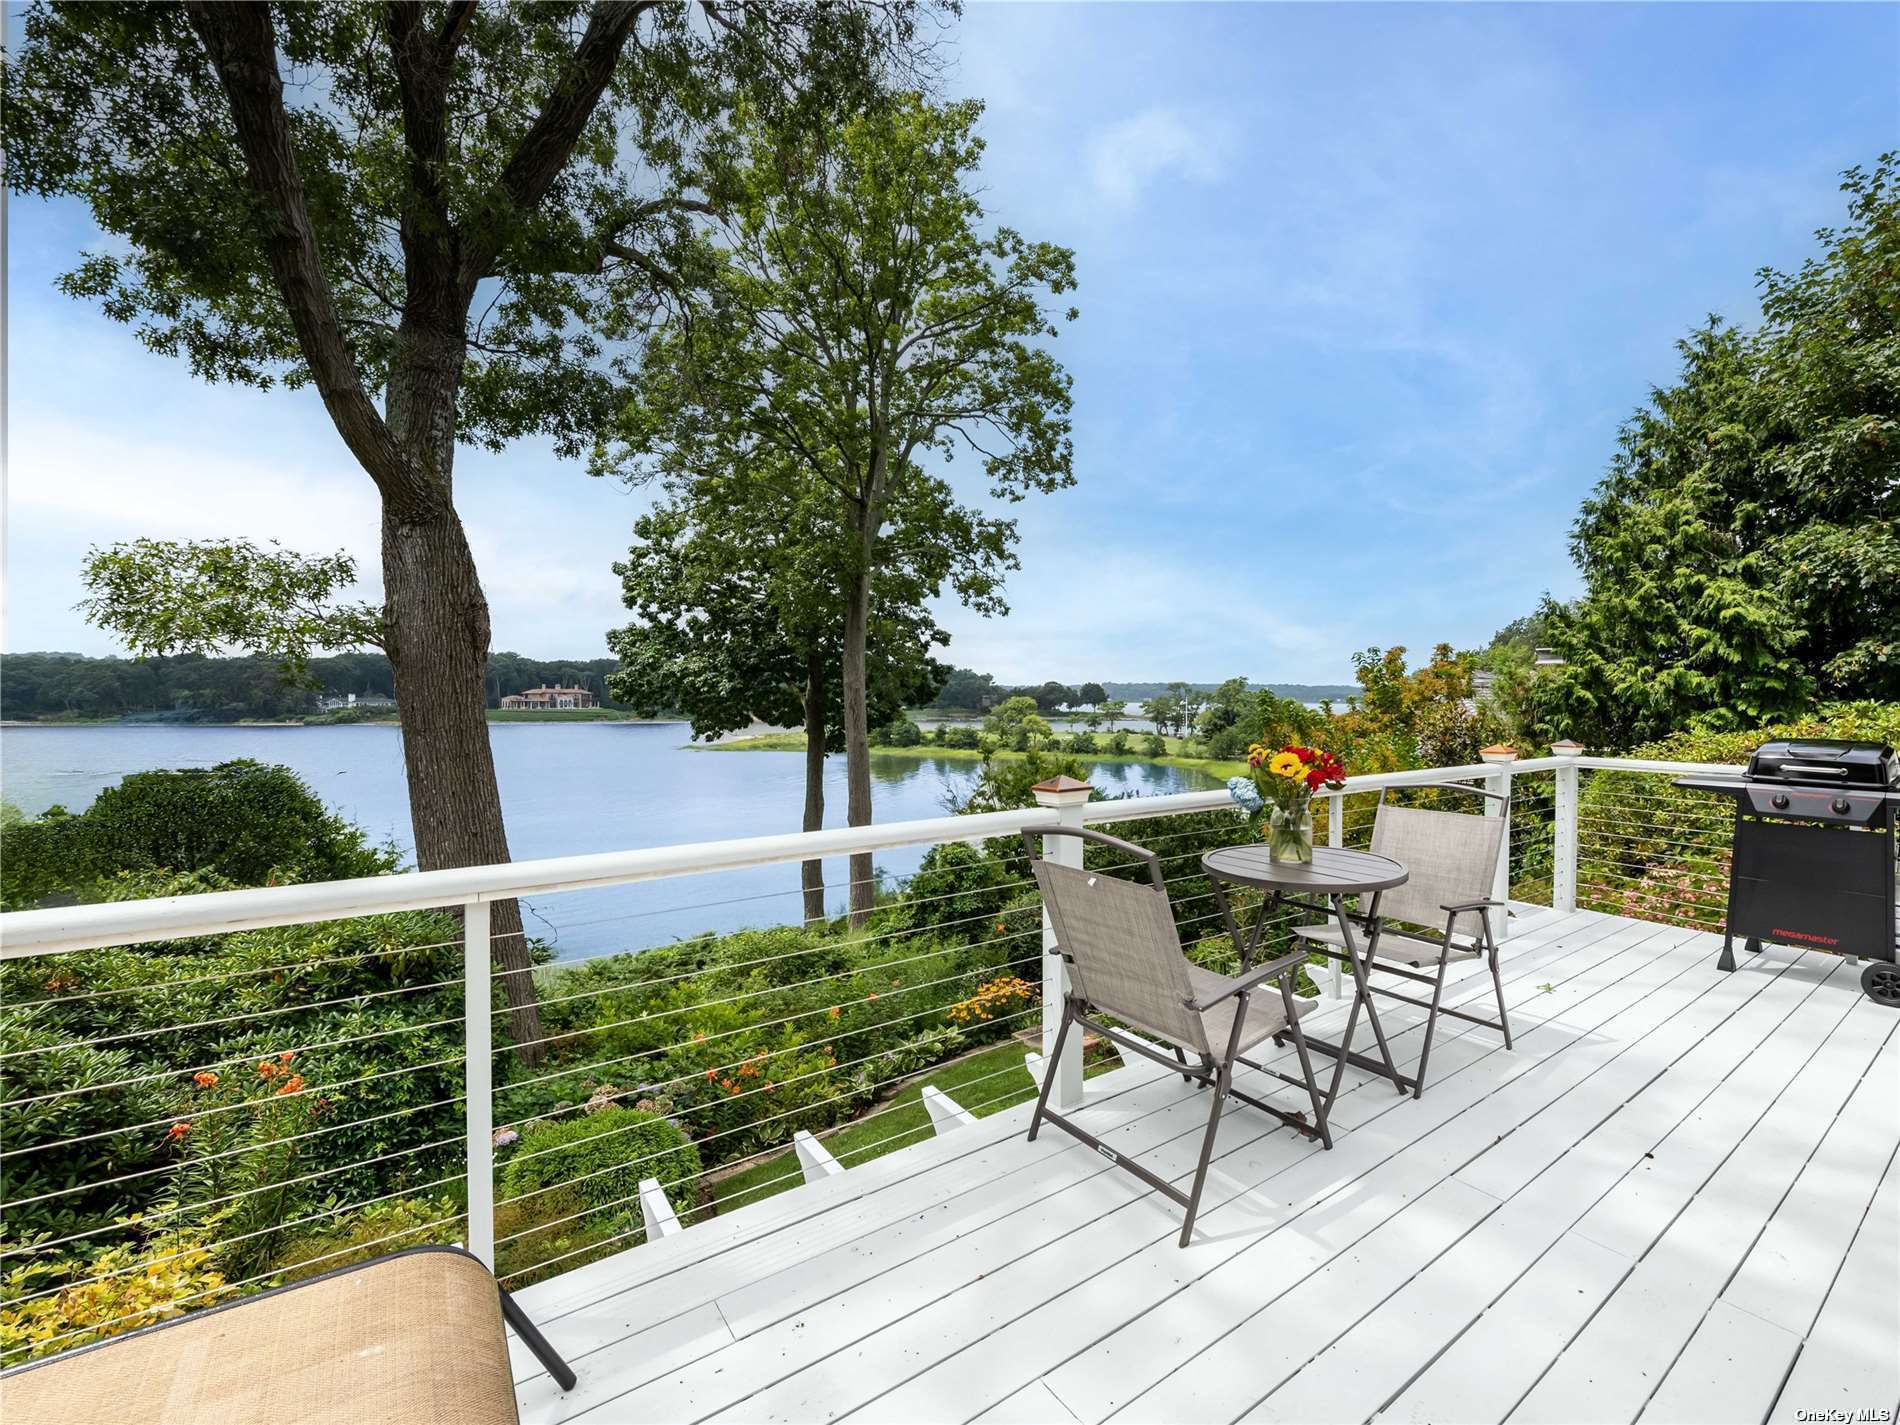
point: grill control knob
(1779, 801)
(1842, 806)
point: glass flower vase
(1290, 833)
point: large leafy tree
(1743, 552)
(428, 201)
(860, 319)
(735, 619)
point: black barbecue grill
(1813, 864)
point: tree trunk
(436, 634)
(817, 690)
(438, 643)
(857, 738)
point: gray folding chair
(1124, 960)
(1453, 860)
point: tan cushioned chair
(414, 1338)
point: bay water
(567, 789)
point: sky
(1365, 293)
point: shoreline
(795, 742)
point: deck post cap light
(1566, 748)
(1498, 753)
(1061, 791)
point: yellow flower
(1285, 764)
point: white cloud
(1129, 155)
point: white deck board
(1110, 1299)
(1449, 1296)
(1618, 1360)
(1504, 1244)
(1849, 1362)
(1788, 1274)
(1733, 1363)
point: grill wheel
(1881, 981)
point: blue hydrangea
(1245, 794)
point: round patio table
(1321, 885)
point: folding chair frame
(1211, 1072)
(1483, 942)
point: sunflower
(1286, 764)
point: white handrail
(82, 927)
(58, 929)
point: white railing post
(814, 1158)
(478, 1040)
(1564, 849)
(1335, 836)
(945, 1112)
(1069, 799)
(656, 1213)
(1500, 759)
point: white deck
(1677, 1199)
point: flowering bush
(133, 1283)
(997, 997)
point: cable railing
(202, 1096)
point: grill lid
(1825, 762)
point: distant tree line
(71, 685)
(966, 690)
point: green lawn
(984, 1083)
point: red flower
(177, 1131)
(205, 1080)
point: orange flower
(711, 1074)
(287, 1055)
(205, 1080)
(177, 1131)
(290, 1085)
(872, 995)
(267, 1069)
(835, 1011)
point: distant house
(355, 700)
(547, 699)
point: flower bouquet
(1279, 792)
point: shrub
(1153, 746)
(602, 1156)
(368, 1232)
(966, 739)
(955, 890)
(1118, 742)
(1659, 852)
(45, 1064)
(1082, 743)
(1229, 744)
(999, 997)
(244, 821)
(902, 732)
(145, 1279)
